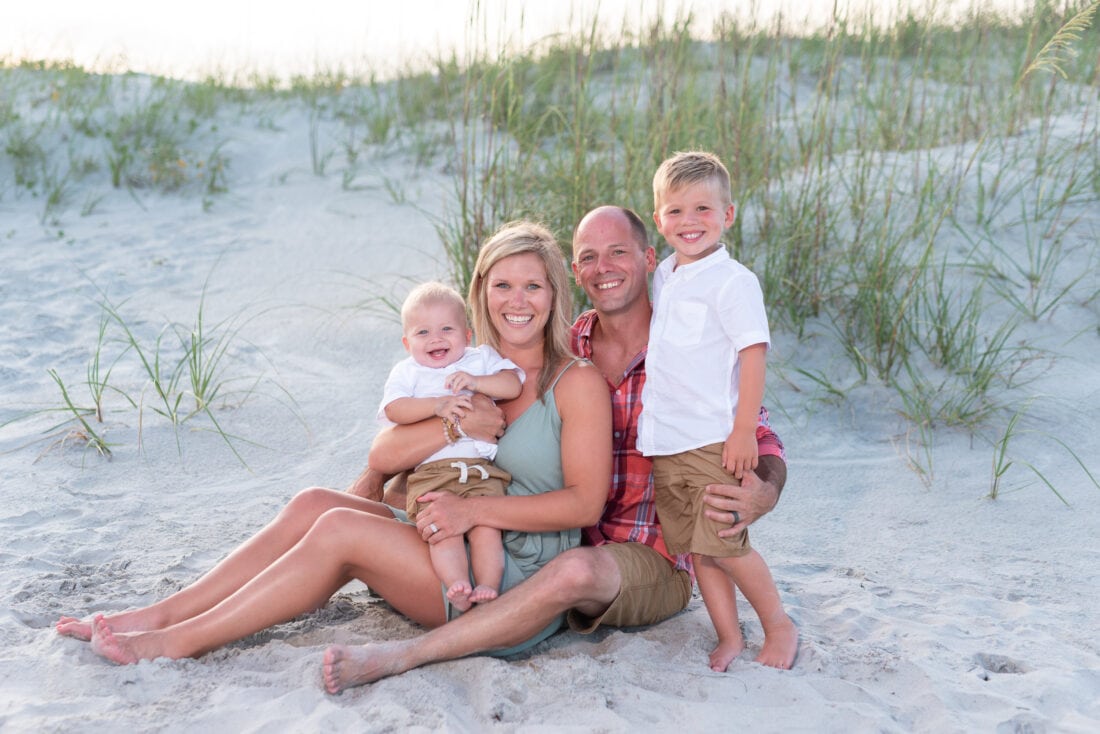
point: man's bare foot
(106, 643)
(79, 629)
(724, 654)
(482, 594)
(346, 666)
(459, 595)
(780, 645)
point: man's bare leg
(586, 579)
(233, 572)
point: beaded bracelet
(449, 433)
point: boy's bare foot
(76, 628)
(106, 644)
(780, 644)
(346, 667)
(482, 594)
(725, 653)
(459, 595)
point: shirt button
(617, 434)
(618, 392)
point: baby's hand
(740, 453)
(453, 407)
(456, 382)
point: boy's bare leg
(449, 562)
(233, 572)
(586, 579)
(720, 598)
(752, 576)
(394, 561)
(487, 558)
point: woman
(323, 538)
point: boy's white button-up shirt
(704, 313)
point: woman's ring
(434, 528)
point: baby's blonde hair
(432, 292)
(690, 167)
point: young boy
(700, 403)
(437, 378)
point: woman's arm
(400, 448)
(585, 409)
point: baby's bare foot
(459, 595)
(346, 667)
(482, 594)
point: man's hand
(744, 505)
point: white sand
(921, 607)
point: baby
(437, 379)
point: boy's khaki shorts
(679, 482)
(435, 476)
(651, 591)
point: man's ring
(736, 518)
(434, 528)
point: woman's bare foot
(346, 667)
(459, 595)
(725, 653)
(780, 644)
(482, 594)
(78, 629)
(81, 629)
(106, 643)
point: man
(624, 575)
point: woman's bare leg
(235, 570)
(343, 544)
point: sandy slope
(921, 606)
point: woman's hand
(484, 421)
(443, 515)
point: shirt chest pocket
(686, 323)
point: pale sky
(302, 36)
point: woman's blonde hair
(517, 238)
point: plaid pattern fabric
(630, 514)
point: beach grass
(878, 169)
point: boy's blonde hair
(687, 168)
(432, 292)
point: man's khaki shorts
(651, 591)
(679, 483)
